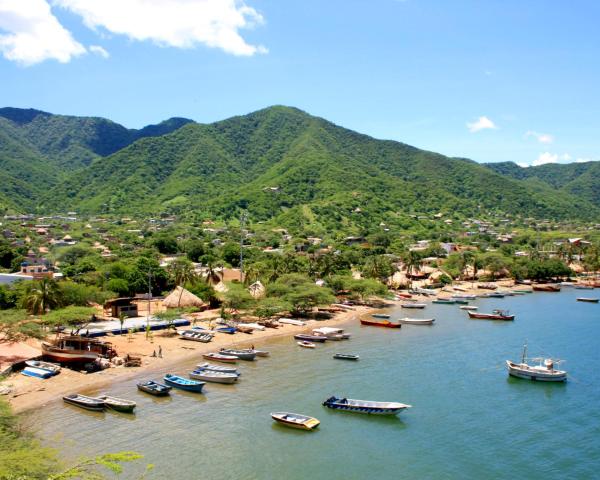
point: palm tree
(212, 274)
(41, 296)
(413, 262)
(182, 272)
(467, 260)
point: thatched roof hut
(257, 289)
(221, 287)
(180, 297)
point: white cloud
(545, 157)
(34, 33)
(583, 160)
(482, 123)
(566, 157)
(541, 137)
(173, 23)
(98, 50)
(523, 164)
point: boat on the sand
(51, 367)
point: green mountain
(579, 179)
(299, 170)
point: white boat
(214, 377)
(417, 321)
(464, 297)
(543, 372)
(365, 406)
(331, 333)
(292, 321)
(36, 372)
(54, 368)
(253, 326)
(468, 307)
(217, 368)
(413, 305)
(306, 344)
(260, 353)
(343, 305)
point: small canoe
(306, 344)
(247, 355)
(219, 357)
(380, 323)
(88, 403)
(51, 367)
(295, 420)
(497, 315)
(443, 301)
(468, 307)
(310, 338)
(365, 406)
(417, 321)
(217, 368)
(183, 383)
(588, 299)
(584, 287)
(380, 315)
(229, 330)
(154, 388)
(36, 372)
(214, 377)
(118, 404)
(345, 356)
(413, 305)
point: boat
(306, 344)
(379, 323)
(118, 404)
(76, 349)
(331, 333)
(219, 357)
(217, 368)
(461, 301)
(413, 305)
(310, 338)
(588, 299)
(464, 297)
(417, 321)
(345, 356)
(567, 284)
(494, 295)
(229, 330)
(295, 420)
(496, 315)
(261, 353)
(468, 307)
(584, 287)
(546, 287)
(244, 329)
(520, 292)
(183, 383)
(543, 372)
(380, 315)
(195, 336)
(365, 406)
(425, 291)
(154, 388)
(444, 301)
(89, 403)
(253, 326)
(51, 367)
(36, 372)
(292, 321)
(247, 355)
(214, 377)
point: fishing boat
(379, 323)
(546, 287)
(51, 367)
(118, 404)
(89, 403)
(461, 301)
(214, 377)
(292, 321)
(154, 388)
(345, 356)
(468, 307)
(310, 338)
(584, 287)
(247, 355)
(217, 368)
(254, 326)
(183, 383)
(365, 406)
(417, 321)
(413, 305)
(219, 357)
(380, 315)
(464, 297)
(306, 344)
(76, 349)
(228, 330)
(496, 315)
(588, 299)
(521, 292)
(444, 301)
(494, 295)
(195, 336)
(295, 420)
(36, 372)
(543, 372)
(260, 353)
(332, 333)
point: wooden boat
(584, 287)
(444, 301)
(217, 368)
(460, 301)
(295, 420)
(345, 356)
(183, 383)
(365, 406)
(247, 355)
(413, 305)
(154, 388)
(468, 307)
(229, 330)
(292, 321)
(546, 287)
(494, 295)
(195, 336)
(89, 403)
(214, 377)
(496, 315)
(543, 372)
(76, 349)
(306, 344)
(219, 357)
(36, 372)
(254, 326)
(331, 333)
(244, 329)
(520, 292)
(51, 367)
(379, 323)
(464, 297)
(260, 353)
(310, 338)
(588, 299)
(118, 404)
(380, 315)
(417, 321)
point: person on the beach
(159, 351)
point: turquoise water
(469, 419)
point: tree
(268, 307)
(16, 325)
(378, 267)
(413, 262)
(194, 249)
(41, 296)
(237, 298)
(165, 243)
(72, 316)
(231, 254)
(118, 285)
(182, 271)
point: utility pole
(243, 217)
(149, 297)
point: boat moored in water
(214, 377)
(154, 388)
(380, 315)
(543, 372)
(217, 368)
(365, 406)
(588, 299)
(247, 355)
(306, 344)
(413, 305)
(496, 315)
(82, 401)
(345, 356)
(295, 420)
(468, 307)
(118, 404)
(546, 287)
(379, 323)
(417, 321)
(310, 338)
(183, 383)
(219, 357)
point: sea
(469, 419)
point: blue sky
(487, 80)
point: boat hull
(87, 403)
(36, 372)
(539, 376)
(361, 406)
(117, 404)
(221, 358)
(305, 423)
(310, 338)
(153, 388)
(207, 376)
(188, 386)
(417, 321)
(490, 316)
(380, 323)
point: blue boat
(230, 330)
(36, 372)
(183, 383)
